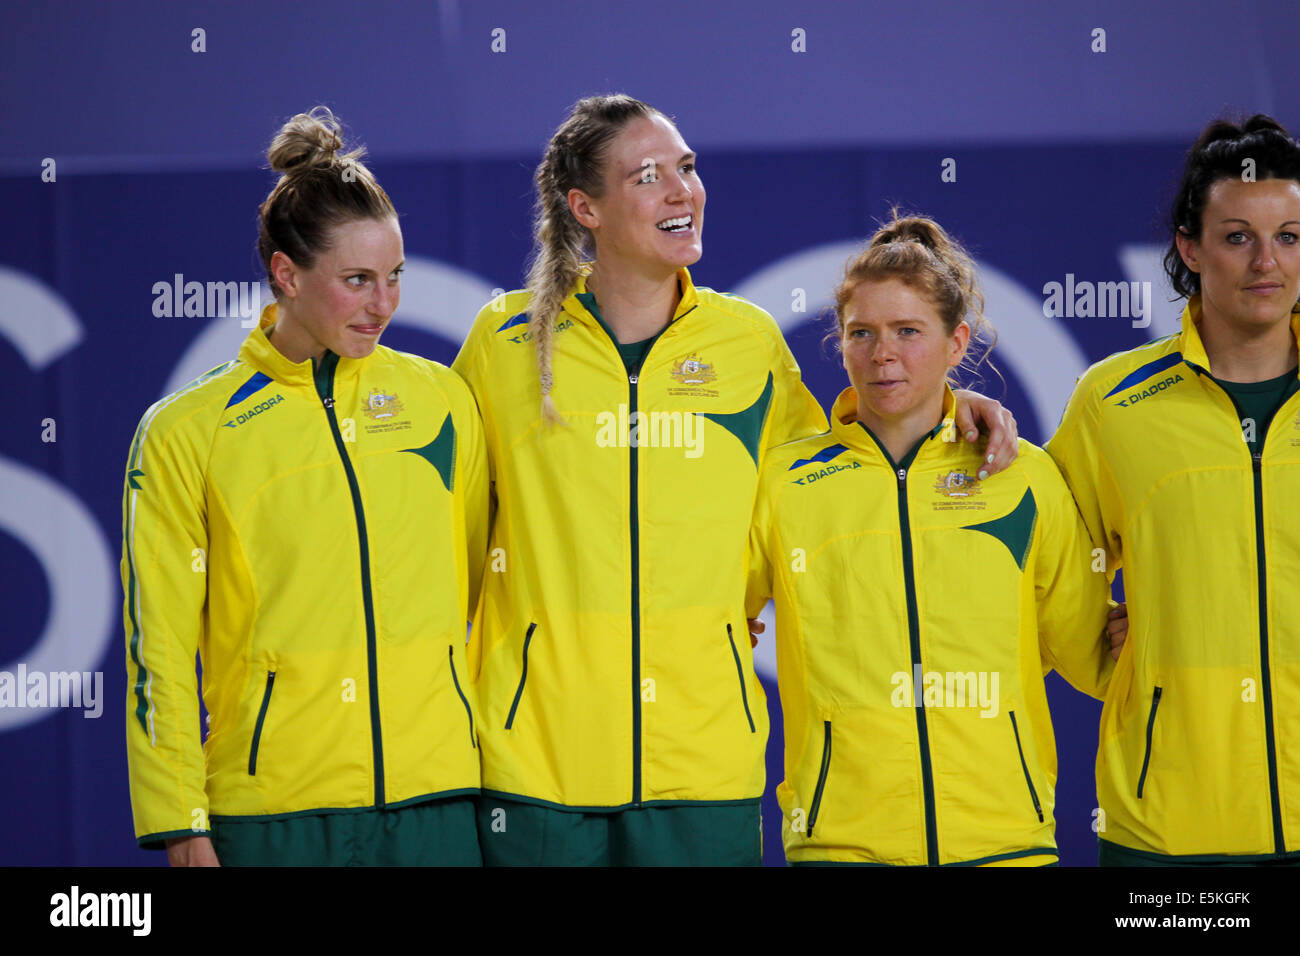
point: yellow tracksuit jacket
(1199, 756)
(610, 649)
(918, 609)
(317, 538)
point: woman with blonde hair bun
(310, 519)
(919, 604)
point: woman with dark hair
(309, 518)
(627, 411)
(1184, 457)
(917, 729)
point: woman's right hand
(191, 851)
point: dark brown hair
(1221, 152)
(317, 191)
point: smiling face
(1248, 255)
(345, 300)
(898, 353)
(651, 217)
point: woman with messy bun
(627, 411)
(919, 603)
(1184, 456)
(309, 519)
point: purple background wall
(1065, 159)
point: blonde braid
(574, 159)
(556, 268)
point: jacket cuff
(158, 841)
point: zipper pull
(631, 378)
(902, 474)
(328, 401)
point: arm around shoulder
(1072, 586)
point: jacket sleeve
(795, 413)
(472, 462)
(1075, 449)
(1072, 590)
(471, 366)
(758, 574)
(164, 580)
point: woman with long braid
(627, 411)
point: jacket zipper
(1257, 473)
(740, 672)
(451, 657)
(634, 525)
(1151, 726)
(523, 677)
(1261, 578)
(914, 643)
(634, 522)
(914, 640)
(261, 718)
(325, 388)
(1033, 794)
(821, 777)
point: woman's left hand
(975, 414)
(1117, 629)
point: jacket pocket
(740, 673)
(451, 659)
(261, 719)
(1024, 766)
(821, 778)
(1151, 726)
(523, 677)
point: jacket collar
(581, 304)
(259, 353)
(1189, 339)
(846, 429)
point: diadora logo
(823, 457)
(1160, 386)
(257, 409)
(525, 334)
(821, 473)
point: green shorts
(1112, 854)
(437, 833)
(525, 834)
